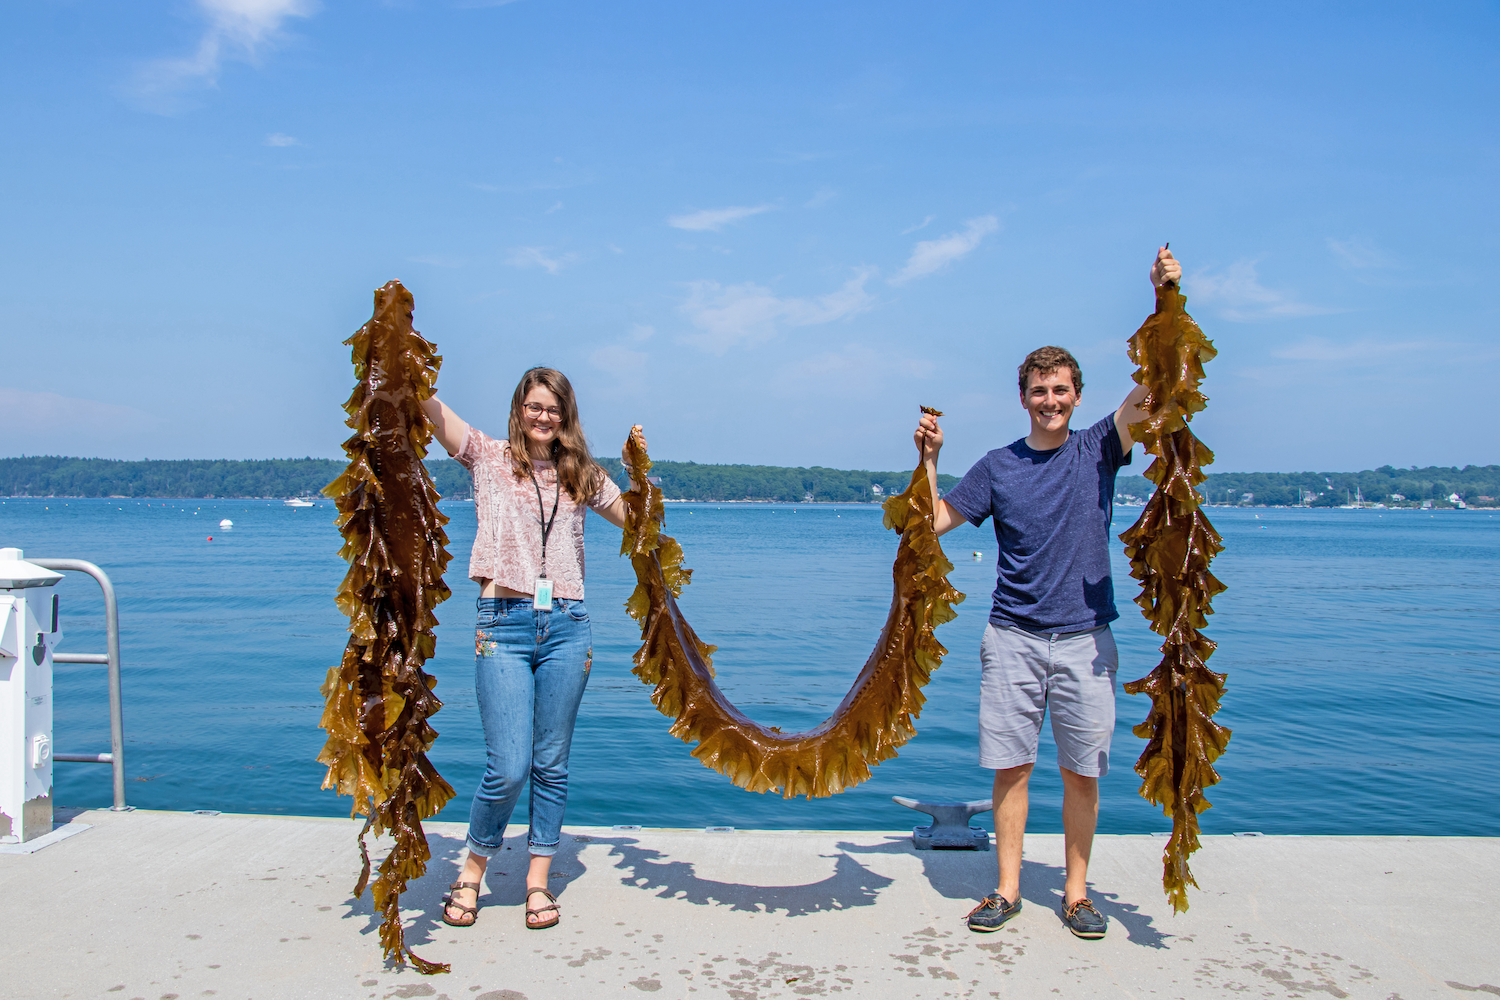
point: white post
(28, 631)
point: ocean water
(1362, 650)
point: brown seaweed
(875, 717)
(1170, 547)
(378, 699)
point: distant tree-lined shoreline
(277, 478)
(45, 476)
(1474, 485)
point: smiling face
(1050, 399)
(541, 421)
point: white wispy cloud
(622, 358)
(1238, 295)
(537, 257)
(921, 225)
(714, 219)
(281, 139)
(801, 157)
(236, 29)
(1366, 350)
(1367, 359)
(931, 256)
(745, 314)
(823, 196)
(1360, 254)
(619, 359)
(44, 420)
(579, 178)
(858, 364)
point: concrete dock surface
(162, 906)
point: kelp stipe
(1170, 547)
(378, 700)
(875, 717)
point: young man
(1048, 643)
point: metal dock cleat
(950, 829)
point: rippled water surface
(1362, 648)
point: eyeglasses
(537, 409)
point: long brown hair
(577, 471)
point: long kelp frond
(875, 717)
(1170, 547)
(378, 700)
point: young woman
(532, 645)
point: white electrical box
(28, 632)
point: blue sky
(767, 231)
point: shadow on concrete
(970, 875)
(424, 894)
(962, 876)
(850, 885)
(504, 884)
(953, 874)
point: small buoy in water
(210, 538)
(226, 523)
(977, 555)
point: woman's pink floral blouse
(508, 544)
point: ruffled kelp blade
(378, 700)
(1170, 547)
(875, 717)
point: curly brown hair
(1045, 361)
(577, 471)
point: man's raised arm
(1165, 268)
(929, 441)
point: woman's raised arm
(448, 427)
(615, 512)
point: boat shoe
(992, 912)
(1083, 920)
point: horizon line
(656, 461)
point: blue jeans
(530, 669)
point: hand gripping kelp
(1170, 547)
(875, 717)
(378, 700)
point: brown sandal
(472, 912)
(538, 911)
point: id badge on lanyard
(542, 595)
(541, 598)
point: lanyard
(546, 523)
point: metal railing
(110, 659)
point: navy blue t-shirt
(1052, 511)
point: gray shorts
(1023, 674)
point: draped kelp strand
(378, 700)
(1170, 547)
(875, 717)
